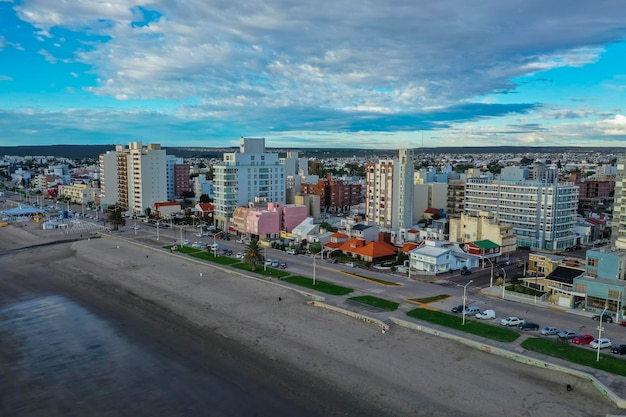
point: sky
(323, 74)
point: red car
(623, 324)
(583, 339)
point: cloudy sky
(329, 73)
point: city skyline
(330, 74)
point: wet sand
(306, 359)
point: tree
(204, 198)
(253, 254)
(187, 194)
(115, 217)
(148, 211)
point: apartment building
(389, 191)
(470, 228)
(135, 177)
(595, 196)
(336, 195)
(618, 235)
(250, 175)
(543, 215)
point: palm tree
(115, 216)
(253, 254)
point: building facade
(543, 215)
(336, 195)
(618, 235)
(250, 175)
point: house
(486, 250)
(366, 250)
(166, 209)
(205, 211)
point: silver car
(549, 331)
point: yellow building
(79, 193)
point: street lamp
(264, 258)
(491, 276)
(464, 298)
(600, 328)
(314, 255)
(503, 282)
(157, 225)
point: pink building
(273, 219)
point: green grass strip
(222, 260)
(456, 322)
(580, 355)
(376, 302)
(320, 286)
(269, 272)
(432, 299)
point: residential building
(455, 202)
(336, 195)
(389, 191)
(603, 283)
(484, 226)
(79, 193)
(595, 196)
(250, 175)
(618, 235)
(181, 180)
(135, 177)
(543, 215)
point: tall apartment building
(618, 231)
(336, 195)
(182, 183)
(595, 196)
(543, 215)
(250, 175)
(455, 198)
(135, 177)
(296, 168)
(389, 191)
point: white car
(239, 255)
(512, 321)
(602, 342)
(268, 262)
(185, 242)
(351, 264)
(486, 315)
(240, 241)
(291, 252)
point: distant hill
(92, 151)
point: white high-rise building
(543, 215)
(389, 191)
(250, 175)
(135, 177)
(618, 232)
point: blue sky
(332, 73)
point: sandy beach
(325, 362)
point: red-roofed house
(368, 251)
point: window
(593, 262)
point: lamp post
(491, 276)
(503, 282)
(135, 228)
(314, 255)
(157, 225)
(265, 259)
(464, 298)
(600, 328)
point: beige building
(467, 228)
(79, 193)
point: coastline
(306, 349)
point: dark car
(465, 272)
(528, 326)
(619, 349)
(605, 318)
(457, 309)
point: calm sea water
(59, 359)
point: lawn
(269, 272)
(580, 355)
(427, 300)
(320, 286)
(376, 302)
(456, 322)
(219, 259)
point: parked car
(457, 309)
(567, 334)
(268, 262)
(275, 263)
(291, 252)
(619, 349)
(605, 318)
(623, 324)
(486, 315)
(472, 310)
(465, 272)
(512, 321)
(240, 241)
(239, 255)
(331, 260)
(527, 325)
(351, 264)
(549, 331)
(583, 339)
(602, 343)
(283, 265)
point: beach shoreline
(351, 364)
